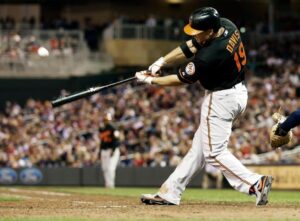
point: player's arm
(117, 133)
(180, 54)
(186, 75)
(170, 80)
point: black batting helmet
(203, 19)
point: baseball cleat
(262, 189)
(154, 199)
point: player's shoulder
(228, 24)
(215, 50)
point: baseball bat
(88, 92)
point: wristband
(186, 50)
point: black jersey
(107, 137)
(220, 63)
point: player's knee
(208, 157)
(214, 153)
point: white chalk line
(15, 195)
(99, 206)
(48, 193)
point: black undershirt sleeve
(196, 44)
(186, 50)
(187, 73)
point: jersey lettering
(105, 136)
(233, 40)
(240, 57)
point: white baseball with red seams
(219, 110)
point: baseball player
(110, 153)
(281, 133)
(217, 60)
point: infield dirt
(47, 204)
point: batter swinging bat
(88, 92)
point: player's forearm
(177, 55)
(169, 80)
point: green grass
(9, 199)
(191, 194)
(211, 195)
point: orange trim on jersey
(210, 145)
(207, 120)
(230, 171)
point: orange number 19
(240, 57)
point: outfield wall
(285, 176)
(89, 176)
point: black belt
(225, 88)
(243, 83)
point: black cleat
(154, 199)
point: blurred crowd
(156, 124)
(19, 51)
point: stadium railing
(65, 53)
(133, 31)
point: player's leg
(170, 192)
(114, 160)
(105, 163)
(217, 117)
(184, 172)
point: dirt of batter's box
(50, 204)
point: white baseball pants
(109, 163)
(219, 110)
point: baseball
(43, 52)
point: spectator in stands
(91, 35)
(151, 24)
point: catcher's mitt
(275, 139)
(278, 141)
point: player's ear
(211, 32)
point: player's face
(203, 37)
